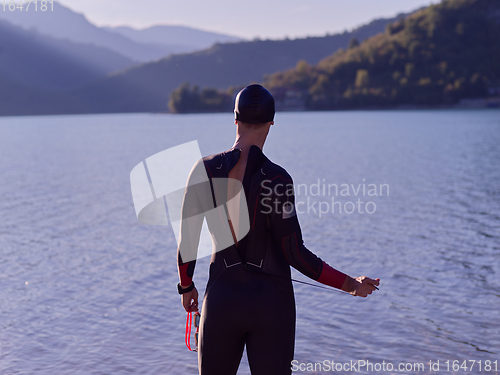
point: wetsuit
(249, 298)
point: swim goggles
(189, 323)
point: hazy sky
(249, 19)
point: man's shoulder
(275, 172)
(214, 162)
(213, 158)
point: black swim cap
(254, 105)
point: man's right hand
(189, 300)
(360, 286)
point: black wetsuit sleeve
(286, 231)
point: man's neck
(247, 138)
(244, 144)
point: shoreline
(483, 104)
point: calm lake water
(87, 289)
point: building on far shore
(289, 99)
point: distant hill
(436, 56)
(63, 23)
(147, 87)
(44, 62)
(178, 38)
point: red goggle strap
(189, 323)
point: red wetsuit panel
(183, 275)
(330, 276)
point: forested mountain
(37, 70)
(436, 56)
(147, 87)
(68, 77)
